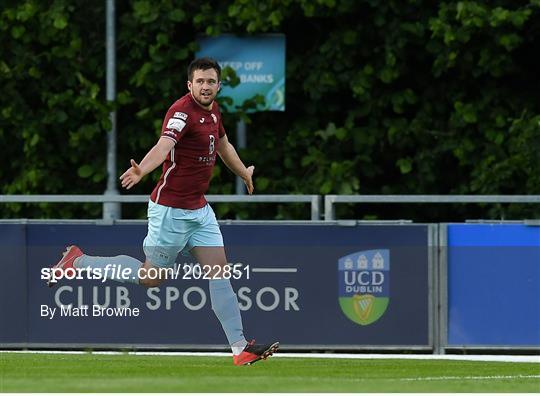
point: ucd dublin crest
(364, 285)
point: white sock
(118, 263)
(238, 347)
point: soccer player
(179, 217)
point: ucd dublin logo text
(364, 285)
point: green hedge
(383, 97)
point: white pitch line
(477, 358)
(275, 270)
(477, 377)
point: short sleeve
(174, 124)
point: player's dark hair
(203, 64)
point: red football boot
(254, 352)
(68, 257)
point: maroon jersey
(188, 167)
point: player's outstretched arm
(230, 157)
(151, 161)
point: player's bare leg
(151, 275)
(225, 306)
(212, 257)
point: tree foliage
(383, 97)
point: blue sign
(286, 289)
(493, 285)
(13, 292)
(259, 62)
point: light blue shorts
(172, 230)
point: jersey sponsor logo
(201, 120)
(207, 160)
(214, 118)
(180, 115)
(175, 123)
(364, 285)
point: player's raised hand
(132, 176)
(248, 179)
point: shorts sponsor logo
(176, 124)
(179, 114)
(364, 285)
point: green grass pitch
(136, 373)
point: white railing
(330, 200)
(314, 200)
